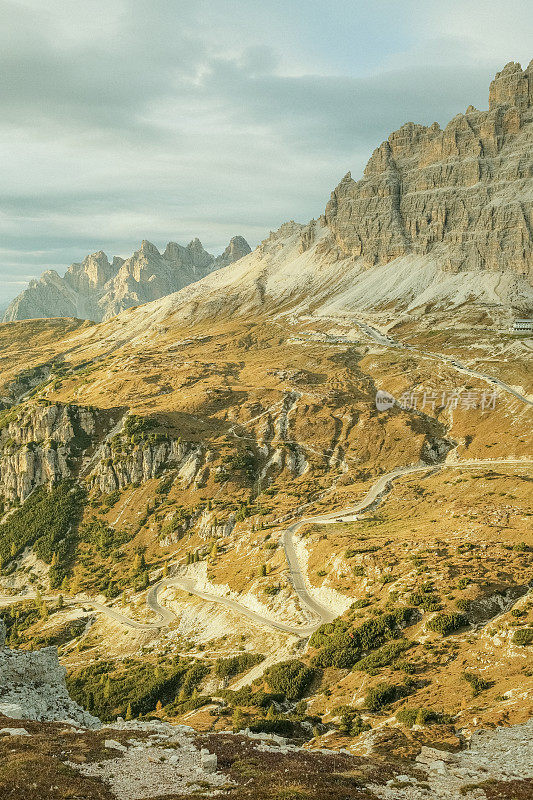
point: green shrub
(523, 637)
(107, 688)
(426, 600)
(422, 716)
(227, 667)
(47, 522)
(478, 684)
(362, 603)
(384, 694)
(342, 645)
(351, 723)
(382, 657)
(282, 727)
(247, 697)
(289, 678)
(447, 623)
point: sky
(124, 120)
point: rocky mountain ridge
(463, 193)
(98, 289)
(441, 218)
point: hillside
(209, 511)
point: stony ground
(149, 760)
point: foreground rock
(164, 761)
(33, 687)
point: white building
(523, 326)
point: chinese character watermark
(428, 400)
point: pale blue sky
(160, 119)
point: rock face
(97, 289)
(33, 686)
(41, 445)
(462, 194)
(121, 464)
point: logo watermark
(429, 400)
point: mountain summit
(97, 289)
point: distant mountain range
(98, 289)
(440, 217)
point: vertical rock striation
(463, 194)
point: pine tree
(262, 570)
(165, 569)
(107, 688)
(214, 550)
(159, 706)
(129, 715)
(13, 550)
(271, 713)
(237, 720)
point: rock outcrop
(33, 686)
(97, 289)
(42, 444)
(462, 194)
(120, 464)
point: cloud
(131, 120)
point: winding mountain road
(375, 494)
(387, 341)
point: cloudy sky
(163, 119)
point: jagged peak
(195, 244)
(99, 255)
(147, 248)
(512, 86)
(237, 248)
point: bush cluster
(383, 656)
(477, 683)
(289, 678)
(342, 645)
(386, 693)
(227, 667)
(523, 637)
(447, 623)
(422, 716)
(134, 687)
(46, 521)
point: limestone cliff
(97, 289)
(120, 464)
(43, 444)
(462, 194)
